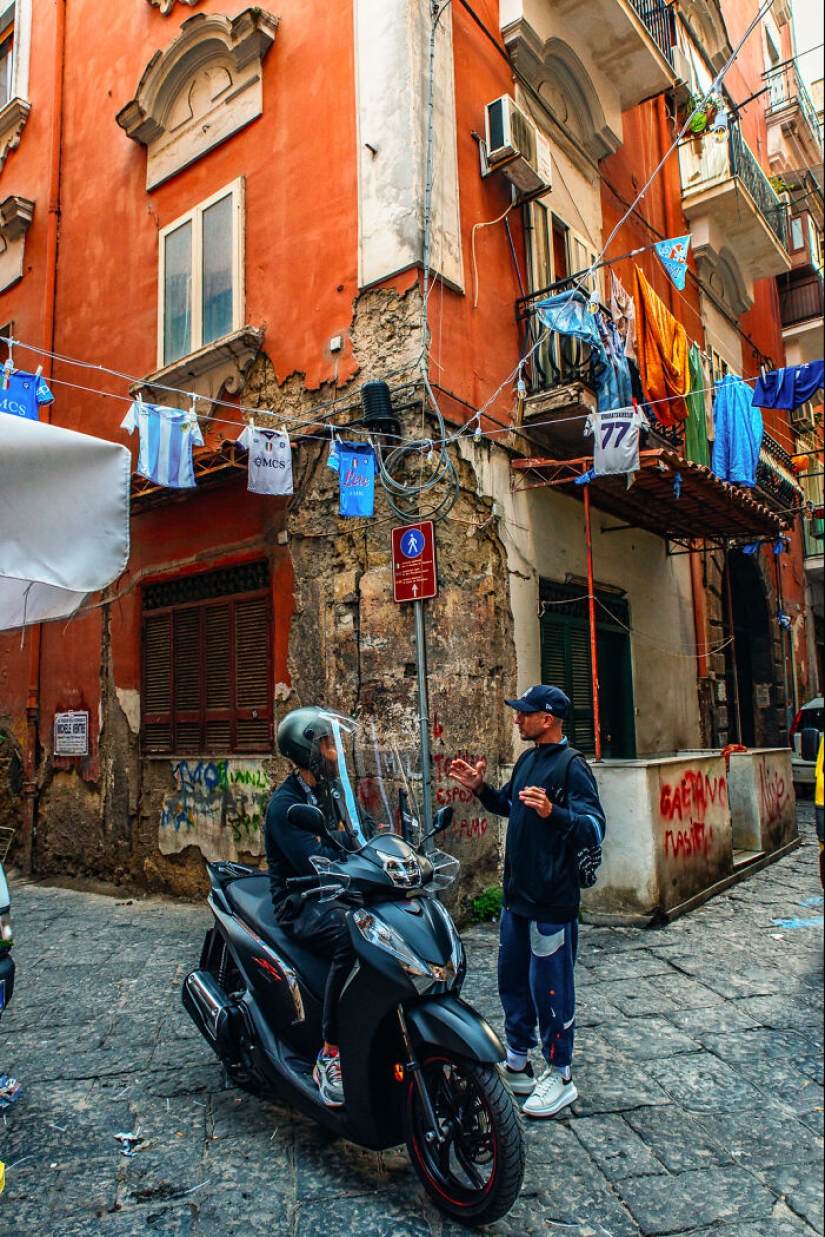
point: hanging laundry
(739, 432)
(662, 346)
(270, 460)
(567, 314)
(707, 385)
(620, 390)
(24, 394)
(167, 436)
(673, 255)
(623, 311)
(357, 467)
(788, 388)
(696, 439)
(615, 440)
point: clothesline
(354, 430)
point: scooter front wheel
(473, 1168)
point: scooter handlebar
(293, 883)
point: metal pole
(423, 720)
(591, 607)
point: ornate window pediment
(203, 88)
(15, 217)
(166, 6)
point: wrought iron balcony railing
(743, 165)
(785, 87)
(801, 300)
(776, 483)
(658, 17)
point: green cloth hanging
(696, 439)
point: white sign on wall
(71, 734)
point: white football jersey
(616, 439)
(270, 460)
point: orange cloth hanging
(662, 354)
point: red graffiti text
(692, 795)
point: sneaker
(520, 1081)
(327, 1076)
(552, 1093)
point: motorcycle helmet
(299, 733)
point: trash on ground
(10, 1088)
(816, 922)
(129, 1142)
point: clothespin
(8, 370)
(521, 385)
(192, 415)
(38, 373)
(593, 302)
(477, 433)
(431, 452)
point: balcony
(629, 42)
(794, 131)
(735, 216)
(776, 485)
(813, 527)
(801, 305)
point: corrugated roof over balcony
(674, 499)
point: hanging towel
(357, 467)
(620, 390)
(623, 309)
(707, 375)
(24, 395)
(788, 388)
(167, 436)
(615, 440)
(696, 439)
(567, 314)
(662, 345)
(738, 432)
(270, 460)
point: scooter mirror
(305, 816)
(443, 820)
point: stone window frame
(233, 47)
(236, 189)
(15, 110)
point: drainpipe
(50, 292)
(591, 610)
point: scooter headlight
(384, 937)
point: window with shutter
(207, 663)
(566, 662)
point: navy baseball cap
(542, 699)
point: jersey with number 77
(616, 439)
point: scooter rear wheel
(475, 1172)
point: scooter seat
(251, 898)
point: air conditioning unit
(517, 147)
(802, 419)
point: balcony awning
(706, 508)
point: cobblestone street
(698, 1062)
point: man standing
(552, 802)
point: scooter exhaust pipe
(214, 1014)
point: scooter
(419, 1064)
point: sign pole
(414, 579)
(423, 719)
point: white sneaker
(552, 1093)
(520, 1081)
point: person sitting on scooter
(306, 737)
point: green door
(565, 661)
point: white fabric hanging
(64, 519)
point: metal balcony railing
(658, 17)
(801, 300)
(744, 166)
(775, 478)
(786, 87)
(813, 528)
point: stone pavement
(699, 1067)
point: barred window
(207, 663)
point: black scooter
(418, 1063)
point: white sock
(516, 1060)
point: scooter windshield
(367, 782)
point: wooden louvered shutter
(217, 678)
(157, 683)
(186, 668)
(253, 688)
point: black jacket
(540, 869)
(288, 848)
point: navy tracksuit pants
(535, 983)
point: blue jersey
(356, 466)
(24, 395)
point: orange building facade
(251, 215)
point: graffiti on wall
(774, 794)
(217, 805)
(684, 808)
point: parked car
(810, 716)
(6, 938)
